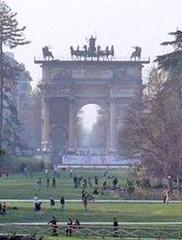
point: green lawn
(99, 212)
(19, 187)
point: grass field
(19, 187)
(99, 212)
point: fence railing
(83, 231)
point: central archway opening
(91, 130)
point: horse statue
(73, 52)
(110, 52)
(47, 54)
(101, 53)
(79, 53)
(137, 53)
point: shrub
(17, 164)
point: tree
(11, 123)
(33, 121)
(172, 62)
(11, 36)
(153, 128)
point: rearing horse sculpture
(137, 53)
(47, 54)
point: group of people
(62, 202)
(40, 182)
(95, 182)
(80, 181)
(38, 203)
(71, 226)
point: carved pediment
(92, 74)
(61, 75)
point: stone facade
(69, 85)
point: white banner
(97, 160)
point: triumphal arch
(89, 77)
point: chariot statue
(92, 51)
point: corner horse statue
(92, 51)
(47, 54)
(137, 53)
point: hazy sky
(122, 23)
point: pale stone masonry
(69, 85)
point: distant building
(21, 94)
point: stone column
(107, 126)
(112, 126)
(71, 132)
(44, 110)
(45, 124)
